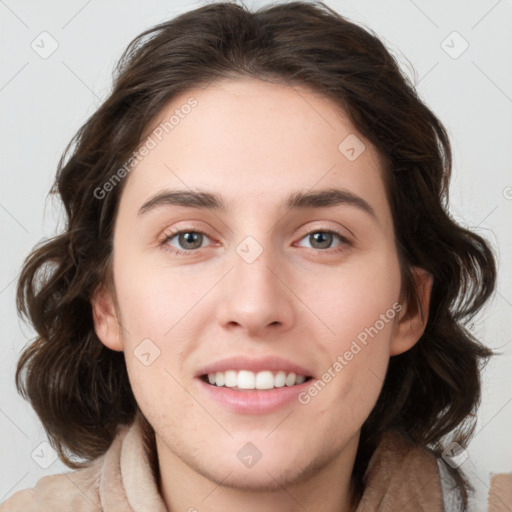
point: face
(282, 274)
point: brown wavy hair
(80, 389)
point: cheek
(353, 297)
(346, 392)
(359, 306)
(161, 315)
(157, 392)
(156, 301)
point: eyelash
(181, 252)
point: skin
(254, 143)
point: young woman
(258, 302)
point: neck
(323, 485)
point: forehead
(257, 141)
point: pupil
(322, 237)
(190, 237)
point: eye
(187, 241)
(323, 239)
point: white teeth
(230, 379)
(245, 379)
(264, 380)
(280, 379)
(219, 379)
(290, 379)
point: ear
(105, 316)
(411, 323)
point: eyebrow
(297, 200)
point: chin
(266, 477)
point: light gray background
(44, 101)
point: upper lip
(254, 365)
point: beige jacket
(399, 477)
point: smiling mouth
(246, 380)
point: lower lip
(254, 401)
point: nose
(256, 296)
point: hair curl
(80, 389)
